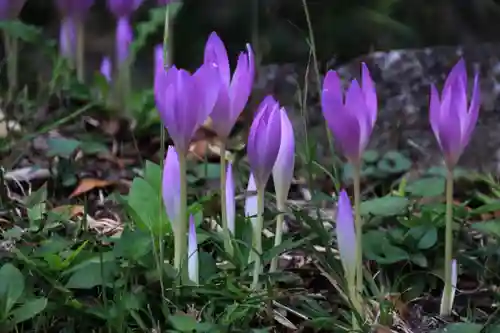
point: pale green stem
(280, 220)
(257, 237)
(448, 249)
(180, 244)
(359, 226)
(228, 246)
(11, 44)
(80, 50)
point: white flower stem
(228, 246)
(257, 237)
(448, 249)
(280, 220)
(180, 242)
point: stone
(403, 79)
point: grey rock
(403, 79)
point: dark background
(278, 28)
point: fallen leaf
(69, 210)
(88, 184)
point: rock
(403, 79)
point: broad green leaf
(147, 204)
(92, 275)
(394, 162)
(491, 227)
(370, 156)
(427, 187)
(153, 175)
(185, 323)
(428, 240)
(62, 147)
(208, 170)
(377, 247)
(11, 286)
(419, 259)
(133, 244)
(29, 309)
(20, 30)
(461, 328)
(385, 206)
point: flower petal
(241, 85)
(216, 54)
(346, 235)
(369, 93)
(285, 161)
(251, 209)
(106, 68)
(171, 186)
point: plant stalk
(280, 220)
(80, 50)
(228, 246)
(180, 243)
(257, 237)
(11, 45)
(359, 226)
(448, 249)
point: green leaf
(491, 227)
(11, 286)
(92, 273)
(20, 30)
(461, 328)
(419, 259)
(93, 147)
(394, 162)
(428, 240)
(153, 175)
(385, 206)
(29, 310)
(208, 170)
(147, 204)
(62, 147)
(376, 246)
(185, 323)
(427, 187)
(133, 244)
(370, 156)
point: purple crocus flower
(352, 121)
(264, 140)
(10, 9)
(159, 58)
(251, 209)
(346, 235)
(185, 101)
(284, 166)
(67, 38)
(452, 120)
(193, 262)
(74, 8)
(106, 68)
(230, 200)
(234, 93)
(171, 186)
(122, 9)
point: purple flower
(352, 121)
(452, 120)
(264, 140)
(284, 166)
(159, 58)
(124, 36)
(230, 201)
(185, 101)
(123, 8)
(346, 235)
(74, 8)
(67, 38)
(10, 9)
(171, 186)
(193, 262)
(251, 209)
(234, 92)
(106, 68)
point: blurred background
(278, 29)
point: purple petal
(193, 262)
(171, 186)
(251, 209)
(67, 38)
(159, 58)
(241, 84)
(449, 130)
(355, 104)
(216, 54)
(207, 88)
(230, 201)
(220, 114)
(123, 8)
(124, 36)
(473, 113)
(434, 112)
(369, 93)
(285, 161)
(346, 235)
(106, 68)
(458, 72)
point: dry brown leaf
(70, 210)
(88, 184)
